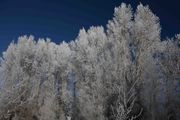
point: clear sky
(62, 19)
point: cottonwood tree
(134, 45)
(28, 69)
(170, 65)
(119, 38)
(145, 43)
(122, 82)
(17, 71)
(88, 49)
(43, 91)
(61, 72)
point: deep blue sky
(62, 19)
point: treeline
(126, 72)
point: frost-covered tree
(89, 47)
(119, 36)
(29, 81)
(170, 65)
(62, 69)
(145, 43)
(43, 90)
(133, 43)
(17, 71)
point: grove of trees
(124, 72)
